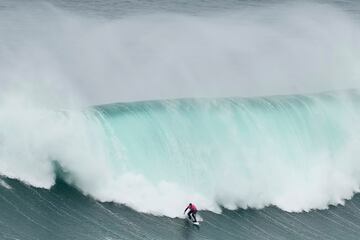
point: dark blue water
(64, 213)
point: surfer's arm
(186, 209)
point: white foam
(4, 184)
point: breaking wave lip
(296, 152)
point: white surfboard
(198, 218)
(195, 223)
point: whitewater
(115, 116)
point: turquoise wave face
(292, 151)
(295, 152)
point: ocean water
(114, 115)
(65, 213)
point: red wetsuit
(192, 208)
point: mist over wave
(297, 152)
(249, 51)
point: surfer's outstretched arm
(186, 209)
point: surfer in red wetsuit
(192, 212)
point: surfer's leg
(189, 215)
(194, 217)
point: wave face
(294, 152)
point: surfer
(192, 211)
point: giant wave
(296, 152)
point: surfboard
(195, 223)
